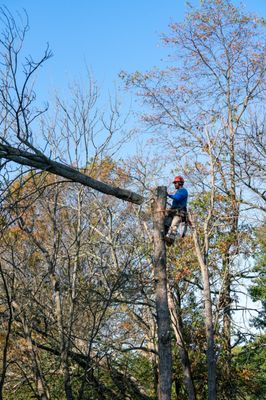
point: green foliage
(258, 289)
(140, 367)
(250, 366)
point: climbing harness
(179, 229)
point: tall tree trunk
(233, 248)
(211, 359)
(163, 316)
(63, 340)
(227, 319)
(5, 340)
(229, 391)
(177, 327)
(64, 352)
(56, 285)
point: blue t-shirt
(179, 198)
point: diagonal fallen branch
(40, 161)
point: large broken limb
(40, 161)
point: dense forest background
(77, 302)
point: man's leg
(167, 222)
(173, 230)
(183, 223)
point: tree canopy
(92, 304)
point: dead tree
(162, 310)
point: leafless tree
(20, 137)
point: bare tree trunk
(55, 283)
(155, 375)
(8, 333)
(63, 340)
(72, 299)
(211, 359)
(177, 327)
(225, 301)
(233, 247)
(163, 316)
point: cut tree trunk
(163, 315)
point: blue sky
(106, 35)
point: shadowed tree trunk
(211, 359)
(5, 339)
(163, 316)
(184, 357)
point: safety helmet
(178, 179)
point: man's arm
(179, 195)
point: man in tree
(177, 214)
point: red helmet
(178, 179)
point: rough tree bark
(163, 315)
(183, 353)
(5, 339)
(211, 359)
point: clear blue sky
(107, 35)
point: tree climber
(177, 215)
